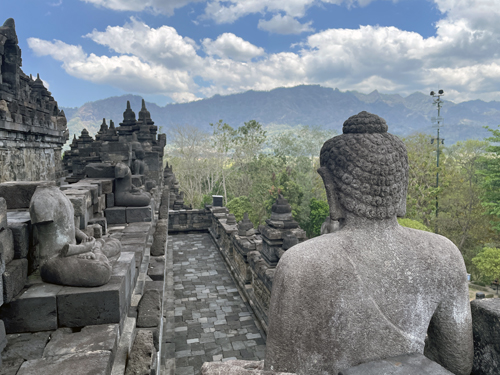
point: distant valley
(301, 105)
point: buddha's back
(361, 294)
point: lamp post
(438, 122)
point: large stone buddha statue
(371, 289)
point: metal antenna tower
(437, 122)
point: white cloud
(228, 11)
(128, 73)
(161, 46)
(231, 46)
(154, 6)
(463, 57)
(284, 25)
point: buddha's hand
(89, 255)
(88, 239)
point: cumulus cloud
(231, 46)
(284, 25)
(161, 46)
(126, 72)
(462, 57)
(154, 6)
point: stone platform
(79, 330)
(42, 306)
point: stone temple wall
(32, 128)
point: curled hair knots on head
(369, 167)
(364, 122)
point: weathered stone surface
(10, 366)
(26, 346)
(139, 214)
(237, 367)
(33, 129)
(116, 215)
(3, 213)
(100, 170)
(160, 238)
(110, 200)
(7, 241)
(96, 230)
(102, 222)
(21, 236)
(486, 328)
(125, 194)
(79, 307)
(62, 259)
(409, 364)
(14, 278)
(89, 339)
(142, 354)
(148, 314)
(350, 286)
(73, 194)
(137, 180)
(92, 188)
(34, 310)
(18, 193)
(3, 337)
(98, 362)
(125, 267)
(156, 268)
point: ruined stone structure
(32, 128)
(134, 143)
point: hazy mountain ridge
(301, 105)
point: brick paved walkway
(212, 323)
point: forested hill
(302, 105)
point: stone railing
(251, 255)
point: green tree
(422, 191)
(319, 211)
(238, 206)
(409, 223)
(487, 263)
(491, 177)
(223, 140)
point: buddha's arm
(85, 247)
(450, 334)
(81, 237)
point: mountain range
(301, 105)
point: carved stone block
(34, 310)
(116, 215)
(106, 304)
(139, 214)
(14, 278)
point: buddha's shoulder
(430, 243)
(328, 247)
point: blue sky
(183, 50)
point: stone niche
(32, 128)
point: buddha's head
(365, 170)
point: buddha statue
(67, 255)
(370, 289)
(125, 193)
(139, 167)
